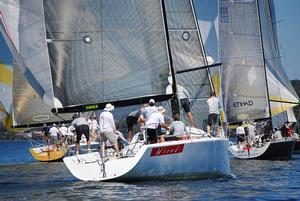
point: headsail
(281, 93)
(28, 97)
(241, 53)
(187, 54)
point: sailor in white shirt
(148, 110)
(81, 127)
(108, 127)
(214, 107)
(53, 132)
(183, 97)
(154, 125)
(63, 132)
(94, 129)
(240, 133)
(251, 133)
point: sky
(288, 25)
(288, 30)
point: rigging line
(281, 101)
(198, 68)
(208, 73)
(174, 101)
(61, 117)
(182, 29)
(263, 57)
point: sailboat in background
(28, 99)
(122, 52)
(254, 84)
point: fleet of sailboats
(122, 52)
(105, 55)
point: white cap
(151, 101)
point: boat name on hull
(167, 150)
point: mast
(263, 54)
(174, 100)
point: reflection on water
(252, 180)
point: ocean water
(23, 178)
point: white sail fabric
(281, 93)
(291, 115)
(106, 50)
(9, 11)
(208, 20)
(28, 104)
(241, 54)
(6, 81)
(187, 53)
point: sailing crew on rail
(94, 129)
(108, 128)
(63, 133)
(183, 97)
(133, 118)
(148, 110)
(214, 107)
(54, 133)
(154, 125)
(177, 127)
(81, 127)
(240, 134)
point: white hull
(203, 157)
(282, 149)
(248, 153)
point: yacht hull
(279, 150)
(44, 154)
(185, 159)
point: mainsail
(107, 50)
(255, 85)
(241, 53)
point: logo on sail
(167, 150)
(242, 104)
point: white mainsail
(241, 54)
(254, 82)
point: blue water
(23, 178)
